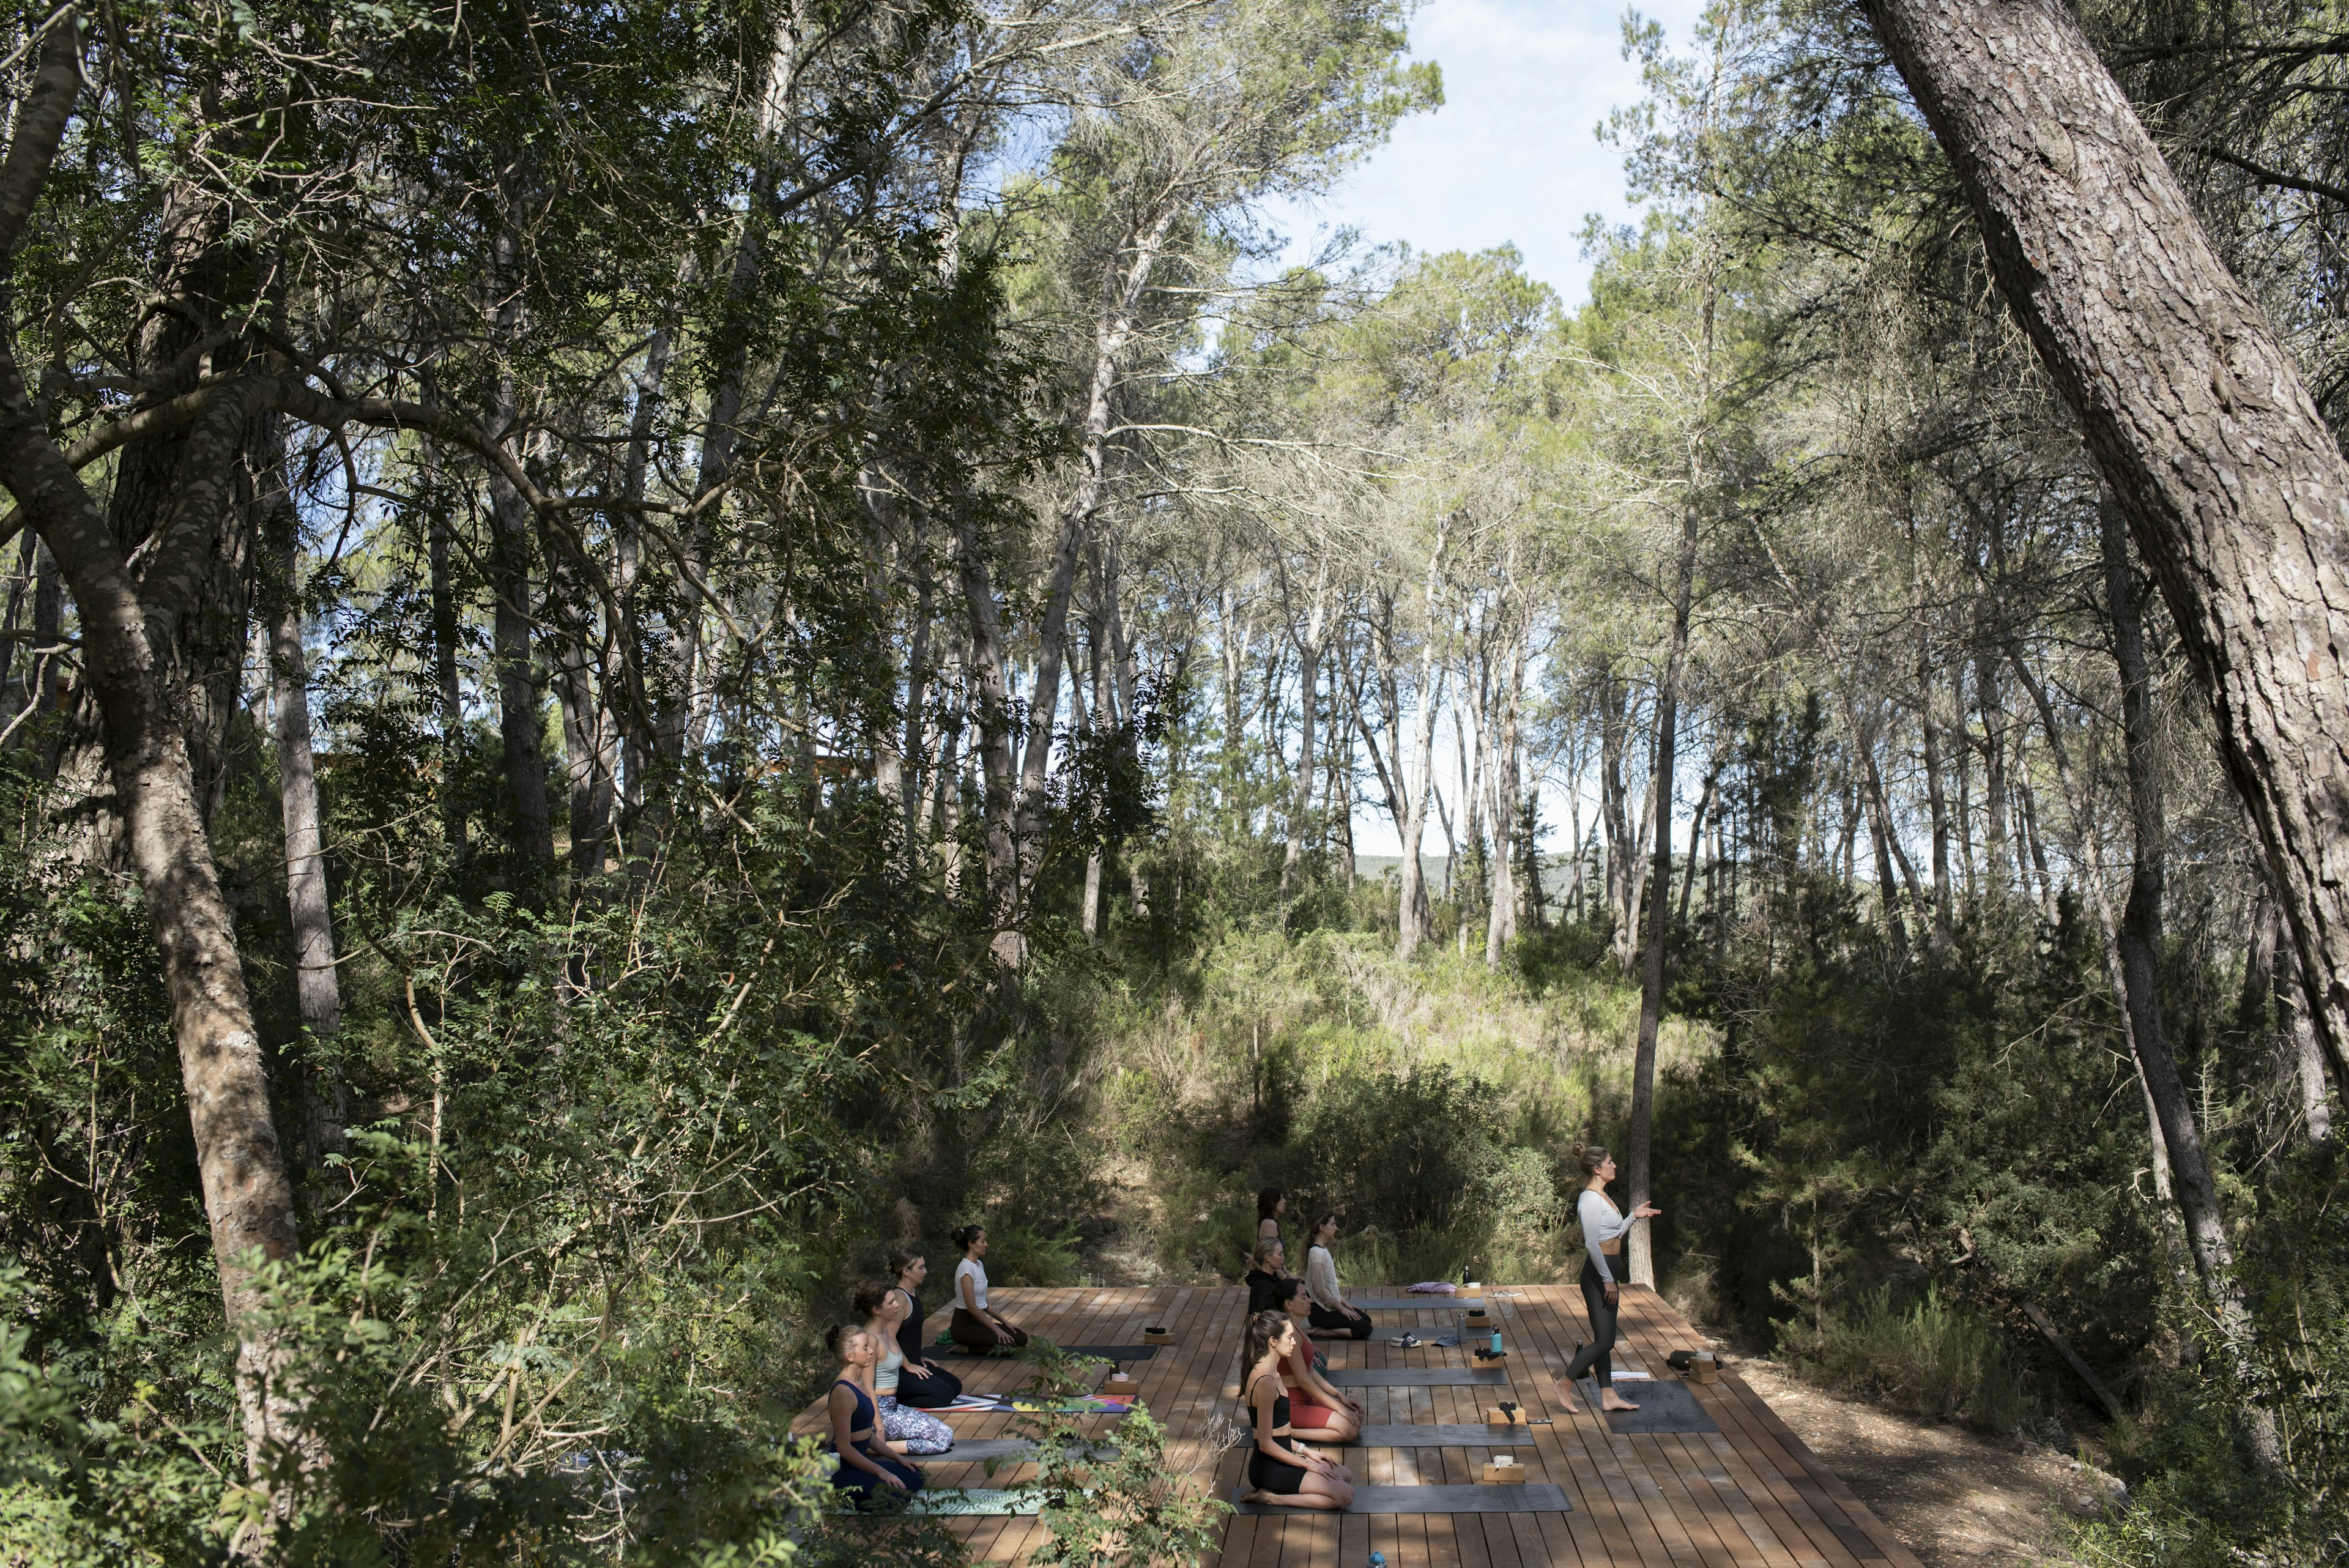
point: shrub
(1405, 1152)
(1019, 1255)
(1937, 1359)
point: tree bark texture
(127, 629)
(318, 993)
(2235, 492)
(202, 471)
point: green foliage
(1943, 1361)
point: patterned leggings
(921, 1432)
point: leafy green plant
(1935, 1358)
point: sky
(1511, 158)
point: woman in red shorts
(1317, 1412)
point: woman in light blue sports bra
(883, 1307)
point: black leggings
(1268, 1473)
(927, 1390)
(1600, 1352)
(1330, 1321)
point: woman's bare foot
(1611, 1400)
(1566, 1395)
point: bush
(1937, 1359)
(1404, 1152)
(1018, 1254)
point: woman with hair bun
(975, 1326)
(866, 1465)
(1279, 1471)
(1603, 1228)
(910, 1431)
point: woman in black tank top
(1280, 1470)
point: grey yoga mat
(1007, 1353)
(1429, 1339)
(1506, 1497)
(1448, 1436)
(1408, 1303)
(1665, 1406)
(1416, 1376)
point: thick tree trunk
(2236, 493)
(247, 1197)
(218, 454)
(325, 1109)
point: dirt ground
(1955, 1498)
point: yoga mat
(1448, 1436)
(1407, 1304)
(1011, 1404)
(1664, 1406)
(952, 1501)
(1099, 1352)
(979, 1450)
(1416, 1376)
(1430, 1340)
(1507, 1497)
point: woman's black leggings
(1600, 1352)
(1330, 1321)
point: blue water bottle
(1378, 1560)
(1496, 1342)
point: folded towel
(1432, 1288)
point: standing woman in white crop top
(1603, 1228)
(977, 1326)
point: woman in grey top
(1603, 1228)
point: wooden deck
(1751, 1496)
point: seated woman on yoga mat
(1270, 1207)
(1317, 1408)
(1331, 1313)
(922, 1383)
(1267, 1276)
(910, 1431)
(1603, 1228)
(1279, 1471)
(975, 1326)
(866, 1465)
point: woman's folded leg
(927, 1390)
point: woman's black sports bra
(1280, 1409)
